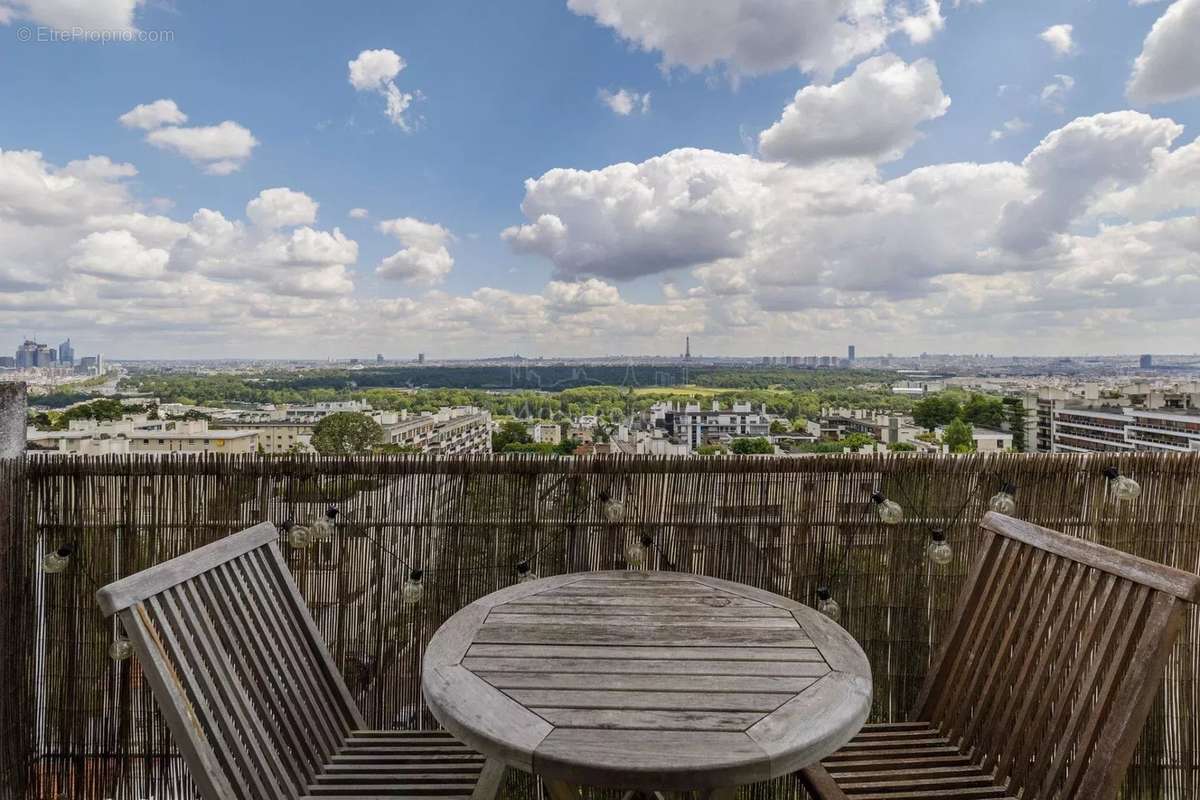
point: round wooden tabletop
(647, 680)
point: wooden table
(646, 680)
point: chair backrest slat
(252, 695)
(1054, 655)
(265, 657)
(344, 704)
(208, 772)
(317, 683)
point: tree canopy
(936, 410)
(346, 433)
(959, 436)
(752, 445)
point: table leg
(561, 790)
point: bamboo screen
(76, 725)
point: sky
(591, 177)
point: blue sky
(506, 92)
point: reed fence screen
(76, 725)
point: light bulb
(58, 560)
(634, 553)
(614, 510)
(827, 605)
(889, 511)
(414, 589)
(939, 550)
(322, 529)
(524, 573)
(1003, 503)
(120, 649)
(300, 537)
(1126, 489)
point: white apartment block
(140, 435)
(546, 433)
(691, 425)
(1126, 430)
(1135, 417)
(463, 430)
(277, 436)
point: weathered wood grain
(1041, 687)
(646, 680)
(136, 588)
(252, 696)
(666, 669)
(648, 652)
(635, 758)
(648, 635)
(482, 716)
(705, 683)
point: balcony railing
(75, 724)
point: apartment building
(1134, 417)
(836, 424)
(1089, 430)
(691, 425)
(546, 433)
(193, 436)
(450, 431)
(137, 434)
(277, 436)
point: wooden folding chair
(256, 706)
(1041, 689)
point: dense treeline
(791, 393)
(548, 378)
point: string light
(121, 649)
(322, 529)
(1004, 501)
(827, 605)
(939, 550)
(637, 548)
(1123, 487)
(524, 573)
(298, 536)
(58, 560)
(889, 511)
(614, 509)
(414, 589)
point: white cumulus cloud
(1168, 67)
(1010, 127)
(624, 102)
(376, 71)
(1054, 94)
(281, 207)
(149, 116)
(871, 114)
(67, 15)
(424, 259)
(119, 255)
(754, 37)
(218, 149)
(1061, 39)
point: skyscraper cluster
(32, 354)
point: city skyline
(579, 178)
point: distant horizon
(569, 176)
(431, 361)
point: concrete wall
(13, 410)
